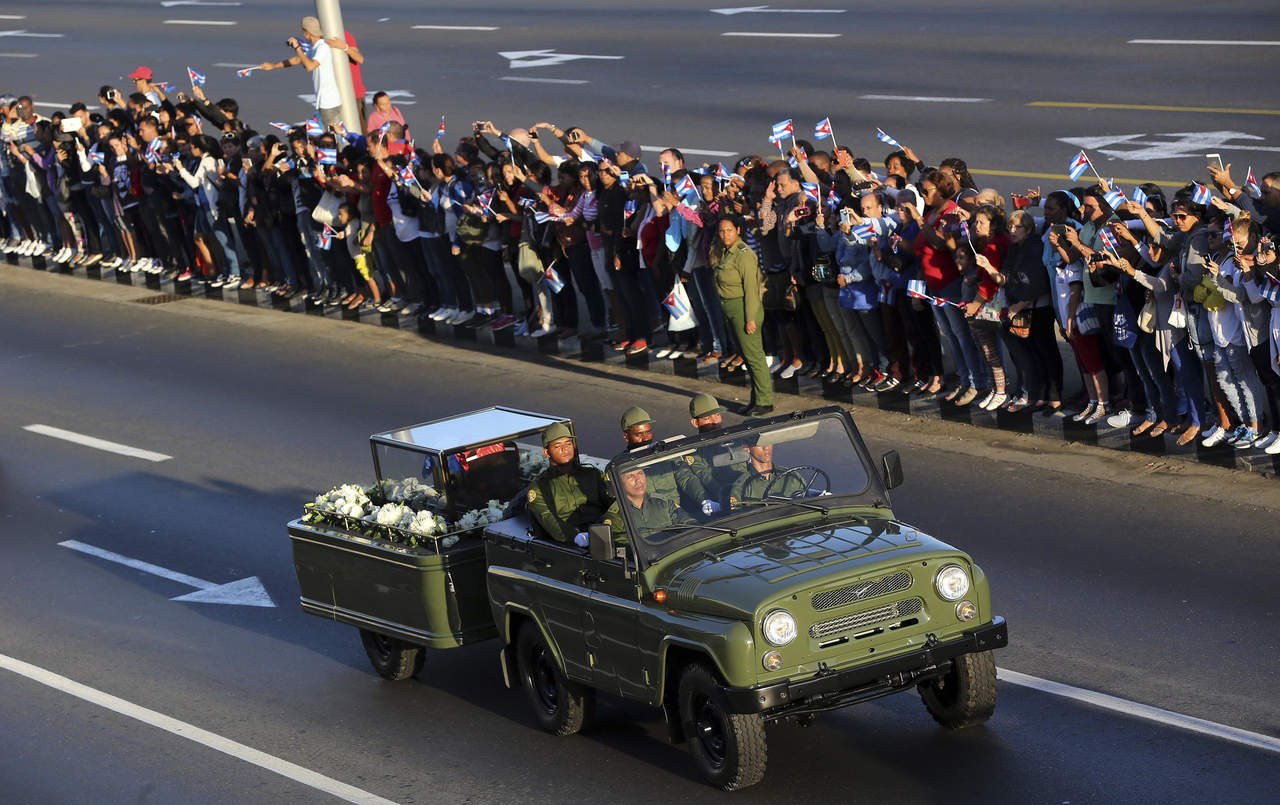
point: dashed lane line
(1139, 107)
(182, 729)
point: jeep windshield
(687, 490)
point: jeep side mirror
(600, 541)
(892, 465)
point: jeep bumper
(835, 689)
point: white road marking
(199, 22)
(455, 27)
(774, 34)
(543, 58)
(922, 99)
(182, 729)
(171, 3)
(13, 16)
(18, 55)
(694, 151)
(94, 442)
(1202, 42)
(543, 80)
(1143, 711)
(57, 105)
(247, 592)
(24, 32)
(730, 12)
(1183, 144)
(237, 65)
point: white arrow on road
(247, 592)
(729, 12)
(544, 58)
(171, 3)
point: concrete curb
(575, 349)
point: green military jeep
(784, 588)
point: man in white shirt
(317, 57)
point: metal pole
(329, 12)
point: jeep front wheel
(560, 706)
(393, 659)
(966, 696)
(729, 748)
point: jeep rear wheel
(729, 748)
(560, 706)
(393, 659)
(966, 696)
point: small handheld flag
(810, 190)
(485, 199)
(833, 200)
(323, 239)
(964, 230)
(406, 175)
(245, 72)
(275, 124)
(327, 156)
(1108, 240)
(1078, 165)
(628, 209)
(666, 175)
(886, 139)
(314, 127)
(165, 86)
(722, 173)
(1227, 231)
(1114, 197)
(916, 288)
(1251, 184)
(1139, 197)
(685, 185)
(96, 157)
(675, 305)
(863, 231)
(440, 131)
(783, 128)
(1200, 194)
(552, 279)
(1270, 288)
(545, 217)
(822, 130)
(197, 78)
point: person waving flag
(197, 78)
(1078, 165)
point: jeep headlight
(951, 583)
(779, 627)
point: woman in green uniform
(738, 282)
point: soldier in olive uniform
(648, 513)
(705, 414)
(738, 281)
(760, 473)
(668, 480)
(567, 497)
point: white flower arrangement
(410, 491)
(391, 520)
(348, 500)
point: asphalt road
(1157, 589)
(946, 78)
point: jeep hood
(733, 579)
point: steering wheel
(802, 472)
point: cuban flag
(325, 237)
(165, 86)
(327, 156)
(722, 173)
(1139, 197)
(895, 242)
(666, 175)
(685, 185)
(810, 191)
(485, 199)
(275, 124)
(964, 230)
(822, 130)
(1200, 194)
(197, 78)
(783, 129)
(314, 127)
(1114, 197)
(545, 217)
(153, 149)
(628, 209)
(506, 142)
(440, 131)
(886, 139)
(675, 305)
(1227, 231)
(1270, 288)
(588, 155)
(245, 72)
(1251, 184)
(916, 289)
(1108, 239)
(552, 280)
(833, 200)
(864, 231)
(95, 156)
(1078, 165)
(406, 175)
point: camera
(846, 215)
(1059, 229)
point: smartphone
(1217, 157)
(1265, 245)
(70, 124)
(1059, 229)
(1020, 202)
(803, 212)
(846, 215)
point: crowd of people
(800, 262)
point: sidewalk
(597, 352)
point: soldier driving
(567, 496)
(762, 474)
(647, 512)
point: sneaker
(184, 276)
(1099, 414)
(521, 329)
(1086, 413)
(502, 322)
(385, 307)
(770, 360)
(986, 401)
(1014, 406)
(408, 310)
(439, 314)
(1247, 437)
(231, 283)
(1273, 448)
(970, 394)
(638, 346)
(789, 372)
(463, 317)
(997, 399)
(622, 346)
(218, 282)
(1120, 419)
(542, 332)
(1266, 441)
(662, 353)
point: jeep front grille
(867, 618)
(831, 599)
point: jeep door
(611, 630)
(561, 600)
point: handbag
(1147, 316)
(823, 269)
(1124, 326)
(677, 304)
(326, 212)
(1177, 316)
(780, 293)
(1020, 324)
(1087, 320)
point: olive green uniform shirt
(565, 504)
(751, 484)
(653, 514)
(738, 277)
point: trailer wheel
(560, 706)
(966, 696)
(728, 748)
(392, 658)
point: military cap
(557, 431)
(704, 405)
(633, 416)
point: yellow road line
(1065, 178)
(1217, 110)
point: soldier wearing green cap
(761, 474)
(637, 432)
(705, 414)
(567, 496)
(647, 512)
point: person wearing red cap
(142, 81)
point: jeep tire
(728, 748)
(966, 696)
(560, 706)
(392, 658)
